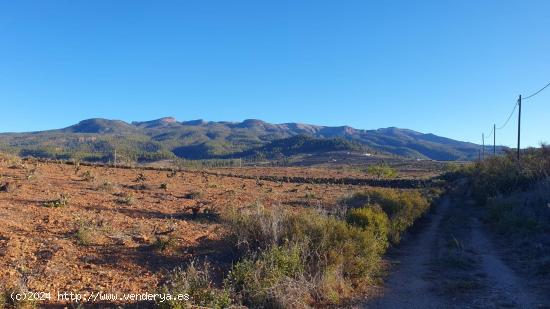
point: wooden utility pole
(483, 146)
(115, 157)
(519, 125)
(494, 139)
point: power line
(493, 131)
(509, 117)
(490, 134)
(534, 94)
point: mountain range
(165, 138)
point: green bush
(372, 218)
(518, 216)
(263, 280)
(403, 207)
(300, 258)
(281, 248)
(382, 171)
(504, 175)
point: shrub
(403, 207)
(164, 242)
(518, 215)
(107, 186)
(193, 195)
(141, 178)
(197, 285)
(6, 300)
(504, 175)
(126, 198)
(309, 196)
(281, 248)
(382, 171)
(4, 297)
(62, 201)
(87, 176)
(85, 236)
(333, 287)
(372, 218)
(261, 280)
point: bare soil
(90, 229)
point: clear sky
(451, 68)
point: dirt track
(451, 263)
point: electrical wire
(490, 134)
(513, 111)
(534, 94)
(509, 117)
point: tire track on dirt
(504, 287)
(476, 277)
(408, 285)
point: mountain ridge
(167, 137)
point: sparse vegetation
(107, 186)
(62, 201)
(306, 257)
(402, 207)
(126, 198)
(88, 176)
(309, 196)
(164, 242)
(279, 256)
(502, 175)
(516, 195)
(7, 302)
(85, 235)
(381, 171)
(316, 258)
(516, 199)
(193, 195)
(197, 284)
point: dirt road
(452, 263)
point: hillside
(300, 144)
(165, 138)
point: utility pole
(519, 125)
(494, 139)
(483, 146)
(115, 157)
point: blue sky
(447, 67)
